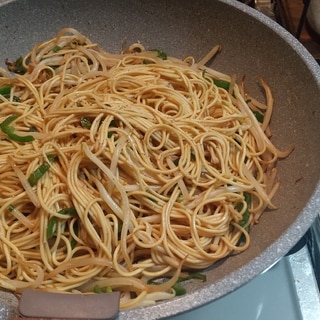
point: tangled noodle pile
(120, 169)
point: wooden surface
(291, 11)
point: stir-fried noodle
(120, 168)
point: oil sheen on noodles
(121, 169)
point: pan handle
(48, 305)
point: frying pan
(254, 47)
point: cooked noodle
(148, 165)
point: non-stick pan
(254, 47)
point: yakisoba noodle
(118, 169)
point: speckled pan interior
(253, 46)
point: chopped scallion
(259, 116)
(222, 84)
(179, 290)
(161, 54)
(5, 91)
(112, 124)
(51, 227)
(56, 48)
(246, 214)
(97, 289)
(16, 66)
(6, 128)
(69, 211)
(40, 171)
(85, 123)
